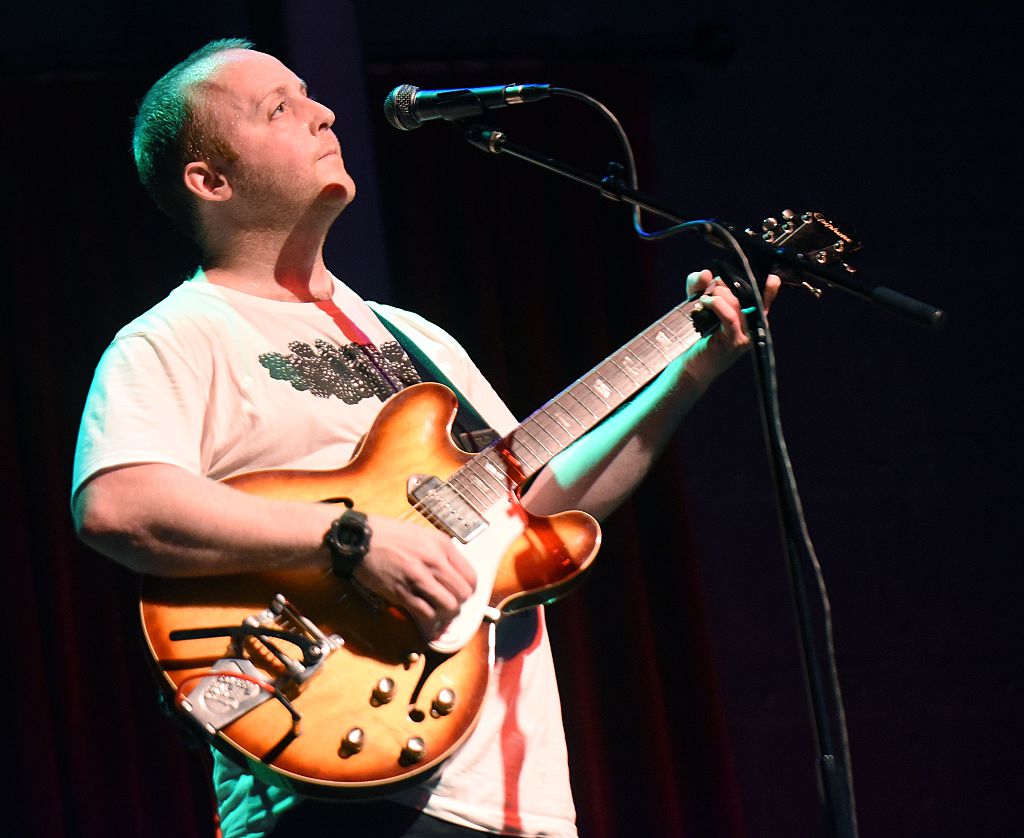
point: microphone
(407, 107)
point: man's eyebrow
(280, 90)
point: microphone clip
(486, 139)
(612, 183)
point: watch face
(349, 541)
(352, 532)
(351, 535)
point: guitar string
(419, 512)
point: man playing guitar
(266, 361)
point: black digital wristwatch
(348, 539)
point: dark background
(679, 666)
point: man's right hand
(156, 519)
(419, 569)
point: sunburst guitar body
(316, 685)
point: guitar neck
(511, 461)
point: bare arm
(162, 520)
(599, 471)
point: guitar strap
(470, 430)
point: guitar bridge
(234, 685)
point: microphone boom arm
(612, 187)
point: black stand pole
(821, 677)
(835, 782)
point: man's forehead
(243, 77)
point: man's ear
(204, 181)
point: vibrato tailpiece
(257, 669)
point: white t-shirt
(219, 383)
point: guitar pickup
(445, 508)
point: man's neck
(272, 265)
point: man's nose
(320, 117)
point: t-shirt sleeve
(145, 405)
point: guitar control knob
(768, 236)
(413, 751)
(383, 692)
(769, 224)
(788, 214)
(352, 742)
(443, 703)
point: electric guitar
(317, 686)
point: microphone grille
(398, 108)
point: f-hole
(432, 662)
(348, 502)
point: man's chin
(338, 194)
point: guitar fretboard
(509, 462)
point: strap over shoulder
(470, 431)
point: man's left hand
(716, 352)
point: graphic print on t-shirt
(351, 373)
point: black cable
(627, 149)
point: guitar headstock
(820, 239)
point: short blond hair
(172, 128)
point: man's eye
(278, 110)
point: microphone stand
(834, 772)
